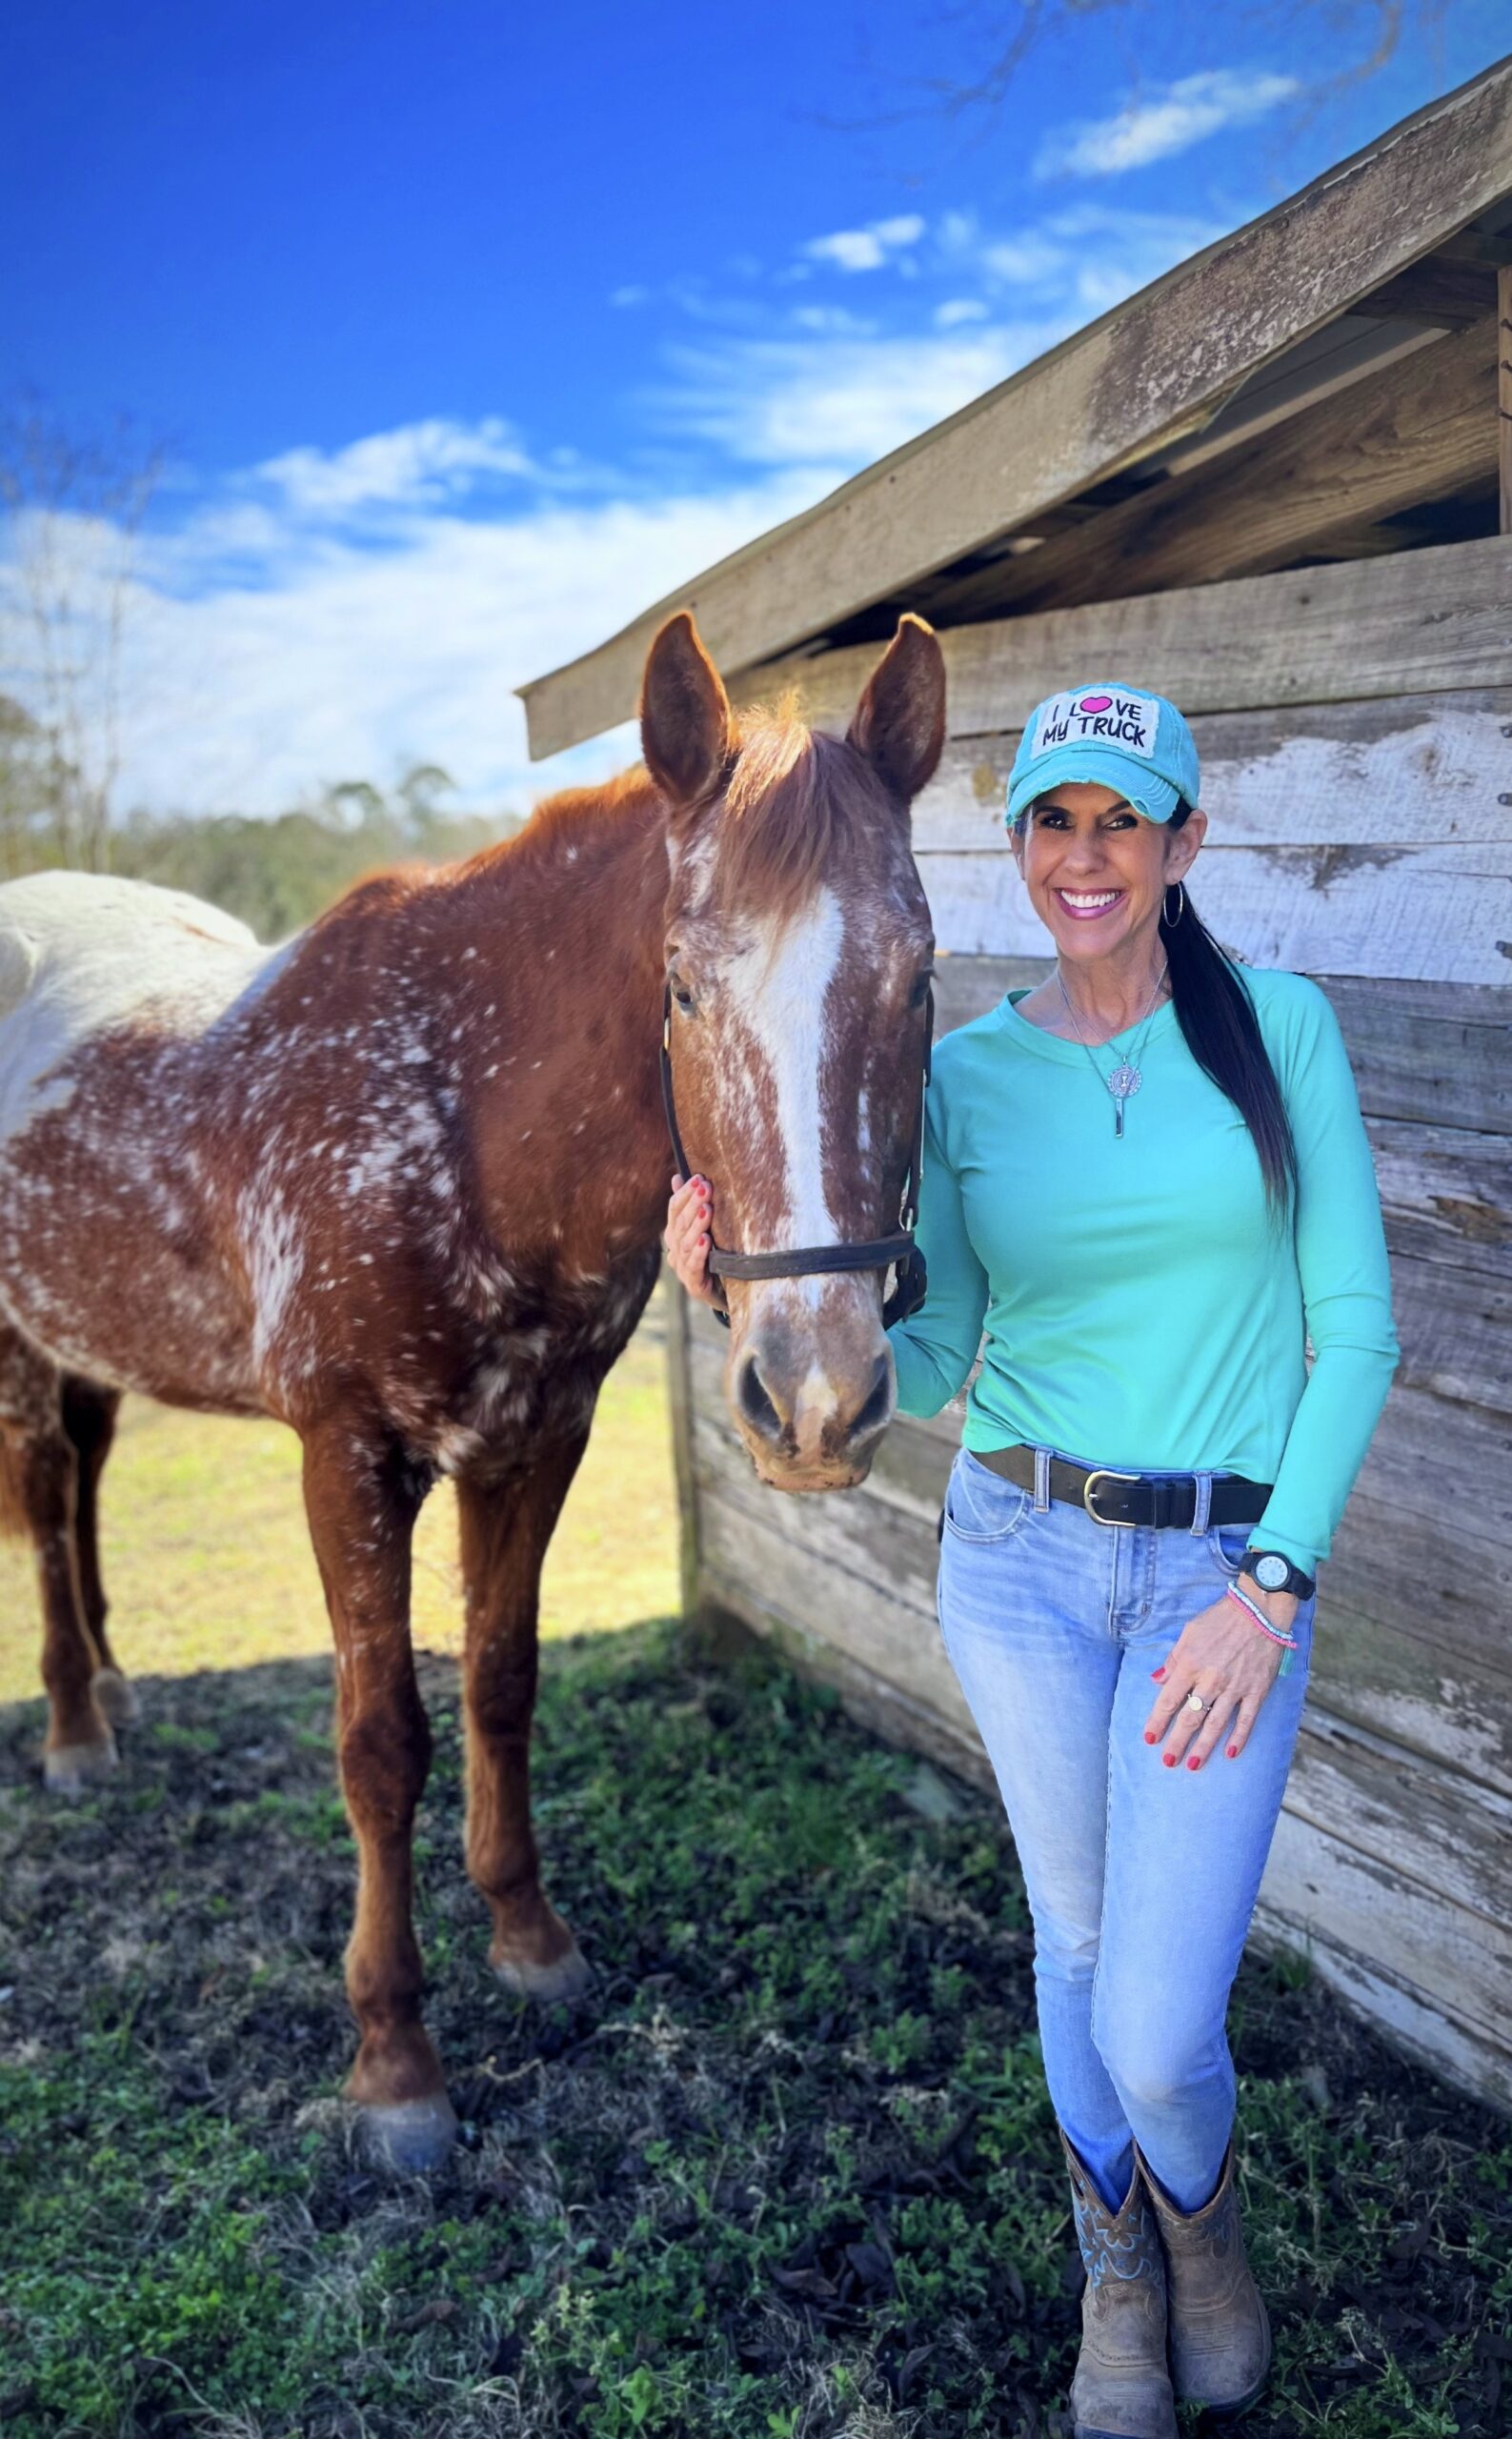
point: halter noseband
(800, 1261)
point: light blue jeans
(1141, 1880)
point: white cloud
(419, 464)
(1090, 256)
(284, 638)
(829, 319)
(841, 396)
(323, 658)
(631, 294)
(841, 402)
(1161, 124)
(1022, 260)
(904, 230)
(337, 613)
(866, 248)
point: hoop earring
(1171, 921)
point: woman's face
(1096, 871)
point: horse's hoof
(68, 1769)
(408, 2137)
(116, 1697)
(565, 1977)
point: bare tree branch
(72, 508)
(984, 90)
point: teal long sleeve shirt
(1136, 1304)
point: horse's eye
(683, 997)
(920, 990)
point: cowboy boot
(1221, 2337)
(1121, 2389)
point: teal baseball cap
(1119, 735)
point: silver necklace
(1126, 1079)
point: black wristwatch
(1274, 1572)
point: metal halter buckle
(1102, 1474)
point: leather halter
(898, 1251)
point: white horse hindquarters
(104, 1248)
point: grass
(208, 1564)
(787, 2170)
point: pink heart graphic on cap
(1094, 703)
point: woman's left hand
(1232, 1665)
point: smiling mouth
(1086, 903)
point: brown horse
(400, 1183)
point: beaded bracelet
(1252, 1609)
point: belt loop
(1204, 1503)
(1042, 1481)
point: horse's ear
(899, 722)
(686, 732)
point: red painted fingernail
(1149, 1736)
(1193, 1760)
(1233, 1752)
(1169, 1759)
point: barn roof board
(1160, 370)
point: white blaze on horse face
(780, 989)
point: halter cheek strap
(897, 1252)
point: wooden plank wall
(1360, 780)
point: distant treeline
(278, 872)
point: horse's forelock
(794, 798)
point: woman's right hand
(689, 1215)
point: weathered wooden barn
(1276, 485)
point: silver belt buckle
(1104, 1474)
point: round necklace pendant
(1124, 1081)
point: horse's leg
(89, 1418)
(362, 1509)
(504, 1539)
(38, 1494)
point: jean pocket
(1226, 1545)
(980, 1504)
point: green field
(787, 2170)
(208, 1564)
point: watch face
(1271, 1572)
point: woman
(1148, 1182)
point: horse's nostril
(878, 1406)
(755, 1403)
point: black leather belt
(1111, 1498)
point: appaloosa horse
(400, 1183)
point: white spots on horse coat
(275, 1259)
(278, 1191)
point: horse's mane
(792, 797)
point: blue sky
(474, 328)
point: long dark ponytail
(1217, 1017)
(1219, 1024)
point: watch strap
(1296, 1581)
